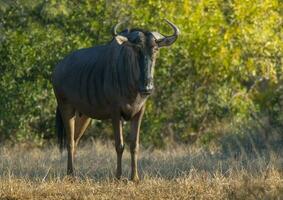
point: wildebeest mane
(122, 73)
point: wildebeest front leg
(119, 144)
(68, 116)
(134, 143)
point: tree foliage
(224, 71)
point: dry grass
(181, 173)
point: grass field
(178, 173)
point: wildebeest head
(147, 44)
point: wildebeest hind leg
(68, 116)
(81, 124)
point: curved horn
(114, 29)
(168, 40)
(176, 30)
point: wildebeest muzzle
(146, 85)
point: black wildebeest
(111, 81)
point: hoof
(122, 180)
(135, 179)
(71, 178)
(118, 177)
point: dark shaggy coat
(99, 78)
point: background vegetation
(223, 76)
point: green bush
(225, 68)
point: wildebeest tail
(60, 131)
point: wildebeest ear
(157, 36)
(120, 39)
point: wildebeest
(111, 81)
